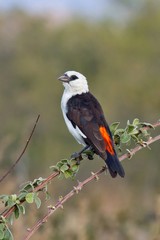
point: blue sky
(86, 6)
(94, 8)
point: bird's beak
(64, 78)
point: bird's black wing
(85, 112)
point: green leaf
(30, 197)
(73, 161)
(54, 168)
(64, 168)
(144, 124)
(11, 219)
(1, 234)
(125, 137)
(4, 198)
(134, 132)
(8, 235)
(114, 126)
(75, 168)
(130, 128)
(119, 131)
(22, 209)
(135, 138)
(68, 174)
(22, 196)
(2, 227)
(59, 165)
(10, 202)
(16, 212)
(37, 201)
(14, 197)
(27, 187)
(61, 175)
(136, 122)
(64, 161)
(145, 133)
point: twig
(59, 204)
(139, 147)
(23, 151)
(79, 187)
(6, 213)
(9, 211)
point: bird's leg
(90, 153)
(77, 155)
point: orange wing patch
(107, 140)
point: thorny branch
(23, 151)
(129, 154)
(80, 185)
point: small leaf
(2, 227)
(73, 161)
(8, 235)
(114, 126)
(22, 209)
(130, 128)
(135, 138)
(59, 165)
(37, 201)
(68, 174)
(75, 168)
(144, 133)
(144, 124)
(27, 187)
(11, 219)
(64, 168)
(119, 130)
(14, 197)
(64, 161)
(16, 212)
(128, 122)
(1, 234)
(30, 197)
(10, 203)
(47, 197)
(136, 122)
(125, 137)
(22, 196)
(134, 132)
(61, 175)
(54, 168)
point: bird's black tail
(114, 165)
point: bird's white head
(74, 82)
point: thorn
(61, 206)
(44, 221)
(142, 143)
(95, 176)
(51, 207)
(28, 229)
(130, 154)
(77, 189)
(60, 198)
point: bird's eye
(73, 77)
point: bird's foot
(90, 157)
(77, 156)
(90, 153)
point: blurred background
(116, 45)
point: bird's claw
(77, 157)
(90, 156)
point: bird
(85, 120)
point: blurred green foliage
(122, 64)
